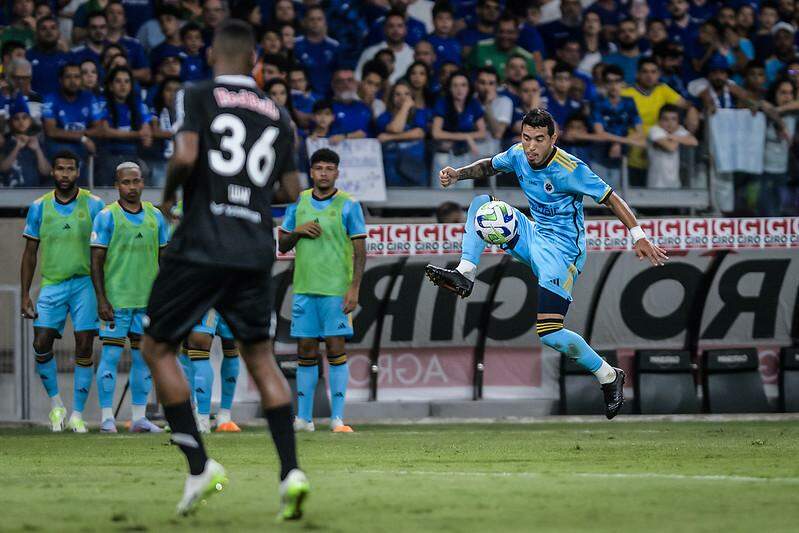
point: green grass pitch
(620, 476)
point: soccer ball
(495, 222)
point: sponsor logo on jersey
(238, 194)
(246, 99)
(548, 187)
(235, 211)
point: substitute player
(196, 361)
(231, 144)
(126, 244)
(59, 225)
(327, 227)
(553, 244)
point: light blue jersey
(555, 195)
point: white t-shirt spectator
(664, 166)
(402, 60)
(776, 152)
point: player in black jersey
(232, 143)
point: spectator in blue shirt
(137, 59)
(615, 119)
(702, 10)
(458, 126)
(529, 37)
(610, 13)
(416, 30)
(762, 40)
(23, 162)
(301, 97)
(681, 27)
(559, 103)
(316, 51)
(214, 12)
(114, 55)
(97, 31)
(137, 12)
(170, 65)
(673, 68)
(784, 49)
(89, 77)
(169, 23)
(125, 125)
(70, 116)
(446, 46)
(629, 52)
(568, 27)
(488, 13)
(193, 67)
(419, 79)
(163, 112)
(353, 118)
(323, 119)
(401, 130)
(45, 57)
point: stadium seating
(664, 383)
(731, 382)
(789, 380)
(580, 393)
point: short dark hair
(234, 38)
(189, 26)
(394, 13)
(10, 46)
(561, 67)
(321, 105)
(66, 154)
(446, 209)
(646, 60)
(46, 19)
(375, 66)
(325, 155)
(668, 108)
(612, 69)
(277, 60)
(63, 68)
(95, 14)
(753, 64)
(443, 6)
(540, 118)
(507, 16)
(168, 9)
(487, 70)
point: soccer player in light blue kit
(553, 243)
(57, 229)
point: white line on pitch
(602, 475)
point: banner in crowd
(361, 167)
(674, 234)
(738, 140)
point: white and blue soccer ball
(495, 222)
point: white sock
(108, 412)
(467, 268)
(137, 412)
(55, 401)
(223, 416)
(76, 415)
(605, 373)
(204, 418)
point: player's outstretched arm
(480, 169)
(643, 247)
(26, 271)
(104, 309)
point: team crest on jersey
(548, 187)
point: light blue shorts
(555, 270)
(126, 322)
(212, 324)
(74, 296)
(314, 316)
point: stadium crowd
(437, 84)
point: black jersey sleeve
(186, 98)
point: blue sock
(307, 378)
(48, 372)
(472, 245)
(230, 375)
(107, 374)
(141, 381)
(572, 345)
(203, 384)
(339, 377)
(188, 371)
(84, 373)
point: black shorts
(184, 291)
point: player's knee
(199, 341)
(84, 360)
(546, 328)
(43, 341)
(337, 360)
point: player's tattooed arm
(480, 169)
